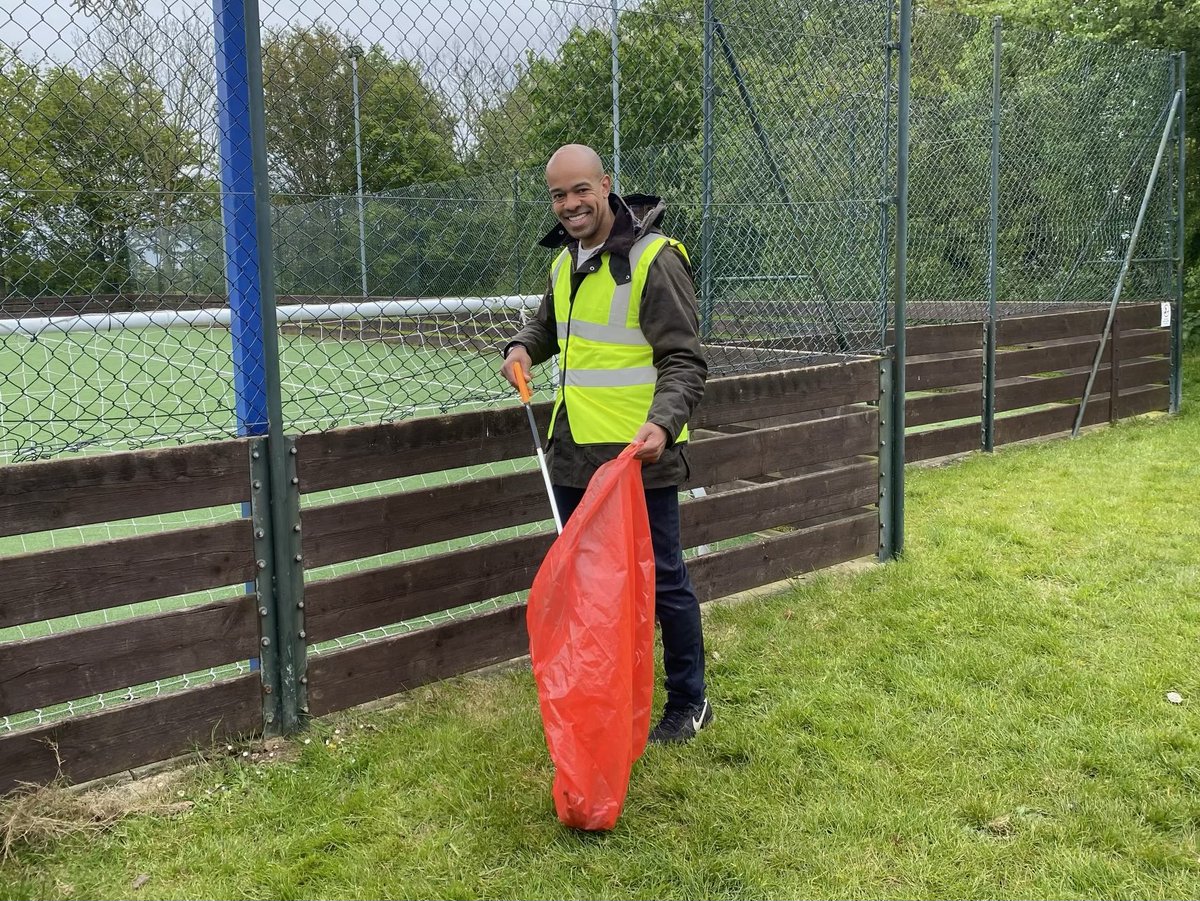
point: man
(620, 313)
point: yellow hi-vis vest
(606, 365)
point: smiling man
(620, 314)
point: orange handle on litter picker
(526, 397)
(522, 384)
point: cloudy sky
(52, 29)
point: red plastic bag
(591, 642)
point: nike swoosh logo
(698, 721)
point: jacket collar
(634, 216)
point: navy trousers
(675, 603)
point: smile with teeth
(577, 218)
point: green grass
(985, 718)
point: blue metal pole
(242, 270)
(241, 255)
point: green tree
(407, 131)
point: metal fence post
(1176, 402)
(706, 179)
(285, 491)
(246, 324)
(616, 97)
(887, 548)
(988, 422)
(900, 354)
(246, 210)
(887, 197)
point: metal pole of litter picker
(526, 397)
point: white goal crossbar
(306, 312)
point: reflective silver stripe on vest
(607, 334)
(618, 313)
(611, 378)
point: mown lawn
(986, 718)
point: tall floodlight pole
(356, 52)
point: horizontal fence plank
(363, 454)
(740, 398)
(132, 734)
(365, 528)
(1053, 421)
(393, 594)
(955, 439)
(1030, 391)
(768, 560)
(770, 504)
(1052, 326)
(1145, 343)
(374, 453)
(1136, 373)
(943, 407)
(56, 494)
(1057, 420)
(727, 458)
(365, 600)
(44, 671)
(943, 371)
(1058, 356)
(380, 525)
(1137, 401)
(66, 581)
(366, 672)
(936, 339)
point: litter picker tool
(526, 397)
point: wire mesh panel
(1080, 126)
(801, 174)
(108, 147)
(950, 169)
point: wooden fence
(790, 458)
(1042, 366)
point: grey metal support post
(887, 548)
(886, 198)
(900, 353)
(356, 52)
(706, 179)
(284, 484)
(616, 95)
(988, 423)
(1176, 402)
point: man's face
(580, 200)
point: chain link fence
(405, 144)
(1078, 123)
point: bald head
(579, 190)
(575, 158)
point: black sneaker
(682, 723)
